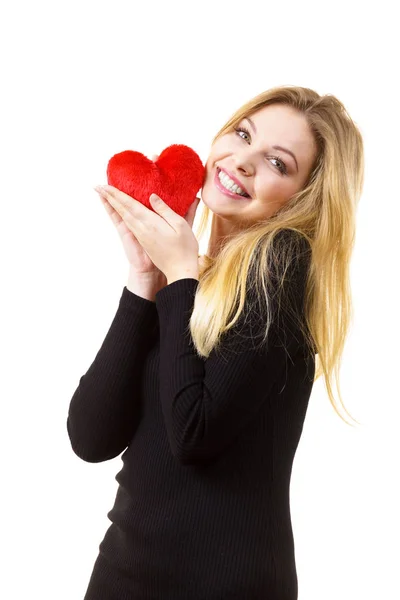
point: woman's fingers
(191, 213)
(112, 213)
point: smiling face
(269, 175)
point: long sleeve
(207, 402)
(105, 408)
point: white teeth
(229, 184)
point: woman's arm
(105, 408)
(207, 403)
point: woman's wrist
(145, 285)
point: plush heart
(176, 176)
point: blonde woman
(204, 377)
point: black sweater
(202, 510)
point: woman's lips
(224, 190)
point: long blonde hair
(323, 212)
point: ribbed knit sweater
(202, 509)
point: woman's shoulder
(291, 236)
(291, 255)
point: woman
(210, 420)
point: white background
(81, 81)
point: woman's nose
(245, 161)
(244, 165)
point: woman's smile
(225, 191)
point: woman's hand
(165, 236)
(139, 261)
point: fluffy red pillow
(176, 176)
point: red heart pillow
(176, 176)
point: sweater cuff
(184, 288)
(132, 301)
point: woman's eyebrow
(275, 147)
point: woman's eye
(242, 130)
(282, 168)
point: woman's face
(250, 157)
